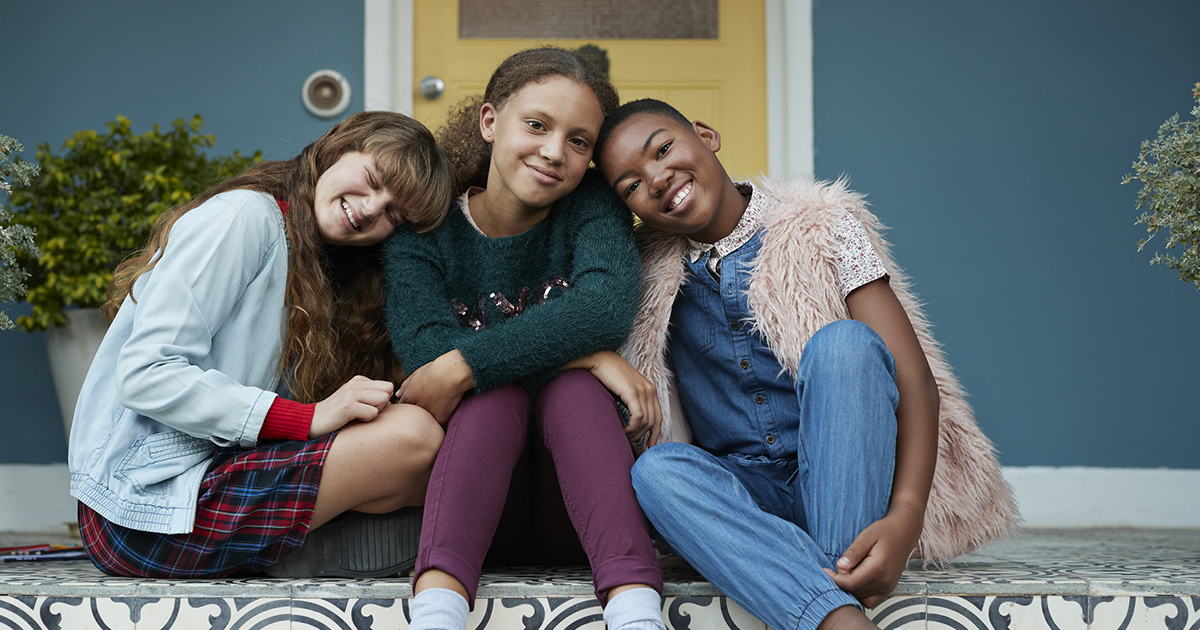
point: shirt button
(770, 439)
(736, 325)
(745, 364)
(758, 399)
(729, 290)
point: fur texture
(793, 293)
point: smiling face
(669, 176)
(351, 204)
(542, 139)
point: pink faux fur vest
(793, 293)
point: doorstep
(1078, 579)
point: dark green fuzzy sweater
(456, 288)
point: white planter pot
(71, 349)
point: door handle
(431, 87)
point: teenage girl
(185, 461)
(524, 278)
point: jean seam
(818, 598)
(569, 503)
(437, 510)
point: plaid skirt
(255, 506)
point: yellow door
(719, 81)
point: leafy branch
(1169, 169)
(15, 239)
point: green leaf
(95, 201)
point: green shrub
(15, 239)
(1169, 169)
(94, 205)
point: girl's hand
(438, 386)
(360, 398)
(872, 565)
(635, 390)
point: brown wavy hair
(461, 138)
(335, 295)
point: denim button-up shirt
(736, 395)
(191, 365)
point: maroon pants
(547, 485)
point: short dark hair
(627, 111)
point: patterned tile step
(1052, 580)
(580, 613)
(229, 613)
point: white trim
(36, 498)
(789, 40)
(388, 55)
(1106, 497)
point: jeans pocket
(160, 457)
(766, 480)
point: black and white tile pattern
(1042, 580)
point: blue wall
(992, 137)
(77, 64)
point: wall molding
(388, 55)
(1106, 497)
(791, 149)
(36, 497)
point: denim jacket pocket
(693, 325)
(159, 457)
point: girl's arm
(636, 391)
(871, 567)
(594, 314)
(214, 253)
(422, 327)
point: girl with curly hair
(527, 279)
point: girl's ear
(708, 135)
(487, 122)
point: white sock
(438, 609)
(635, 609)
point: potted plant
(1169, 169)
(15, 239)
(91, 207)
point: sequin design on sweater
(477, 319)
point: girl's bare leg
(379, 466)
(433, 578)
(846, 618)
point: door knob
(431, 87)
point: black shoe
(359, 545)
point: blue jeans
(762, 529)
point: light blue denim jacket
(191, 365)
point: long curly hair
(335, 295)
(461, 138)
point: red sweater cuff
(287, 420)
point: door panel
(720, 81)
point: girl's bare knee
(410, 435)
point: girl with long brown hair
(185, 460)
